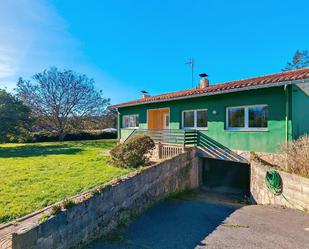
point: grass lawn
(36, 175)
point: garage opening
(226, 177)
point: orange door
(157, 118)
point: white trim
(247, 129)
(164, 116)
(128, 115)
(195, 119)
(169, 113)
(246, 117)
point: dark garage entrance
(226, 177)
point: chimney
(204, 82)
(145, 94)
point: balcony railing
(169, 136)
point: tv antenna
(191, 62)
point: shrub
(297, 155)
(132, 153)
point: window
(130, 121)
(258, 116)
(247, 118)
(236, 117)
(201, 120)
(188, 119)
(194, 119)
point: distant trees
(300, 60)
(107, 120)
(61, 100)
(15, 120)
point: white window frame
(169, 118)
(128, 115)
(195, 120)
(246, 128)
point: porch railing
(208, 147)
(169, 136)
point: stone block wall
(295, 189)
(106, 210)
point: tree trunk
(61, 136)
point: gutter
(276, 84)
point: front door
(158, 118)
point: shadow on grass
(35, 150)
(102, 144)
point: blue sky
(128, 46)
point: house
(256, 114)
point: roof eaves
(275, 84)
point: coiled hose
(274, 184)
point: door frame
(169, 118)
(164, 115)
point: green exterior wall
(300, 109)
(267, 141)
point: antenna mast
(191, 62)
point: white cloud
(33, 37)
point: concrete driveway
(200, 223)
(261, 227)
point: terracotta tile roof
(237, 85)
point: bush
(132, 153)
(297, 155)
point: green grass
(36, 175)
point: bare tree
(300, 60)
(58, 98)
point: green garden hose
(274, 184)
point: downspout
(286, 114)
(118, 126)
(286, 90)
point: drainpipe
(286, 113)
(118, 126)
(286, 90)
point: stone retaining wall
(113, 206)
(295, 189)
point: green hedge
(49, 137)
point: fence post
(183, 147)
(184, 142)
(159, 150)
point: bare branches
(57, 97)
